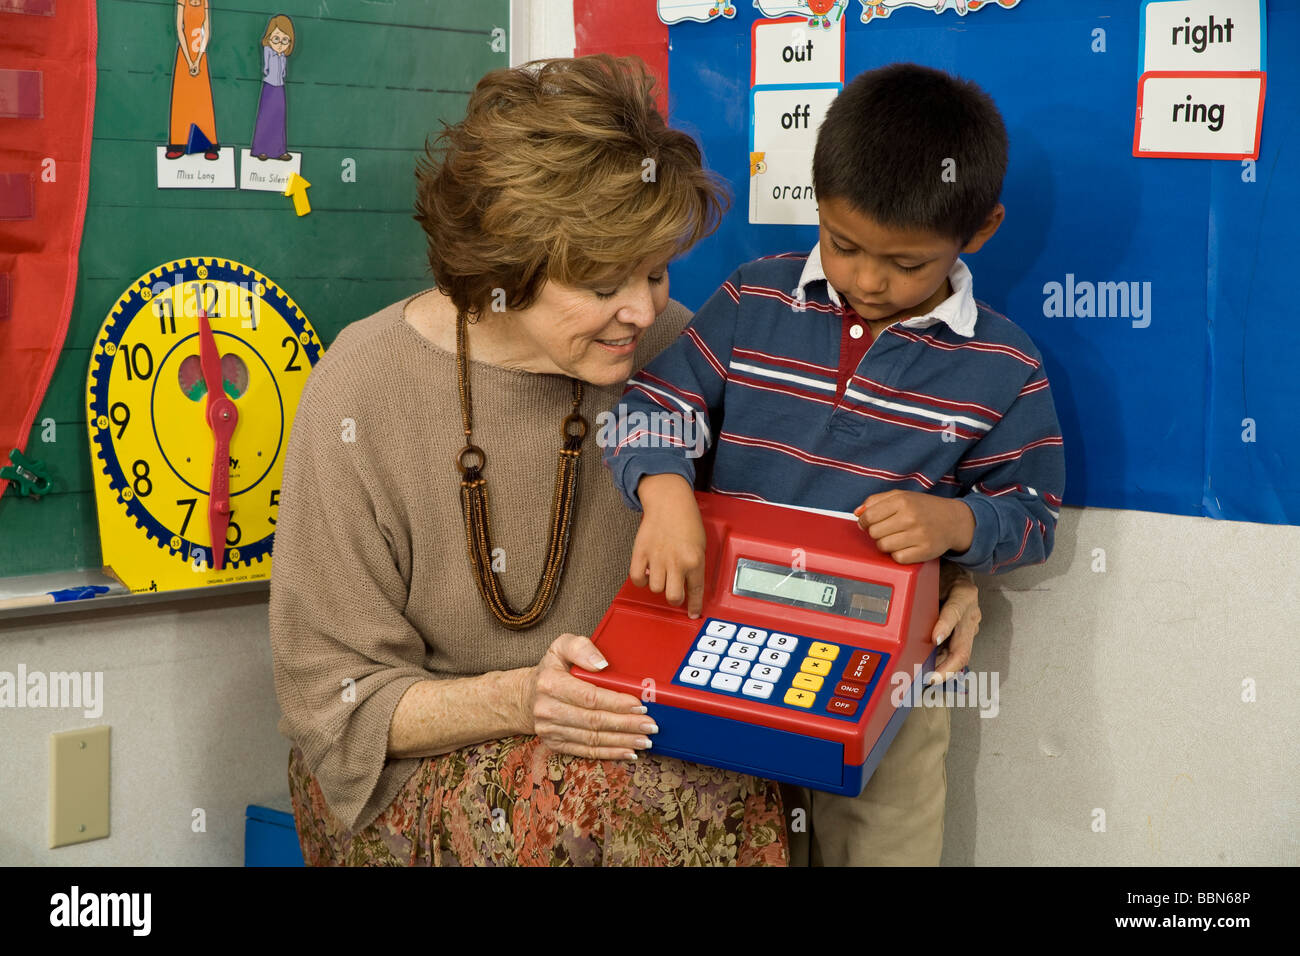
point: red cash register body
(829, 739)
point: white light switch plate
(78, 786)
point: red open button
(838, 705)
(861, 667)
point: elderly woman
(421, 638)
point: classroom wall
(188, 693)
(1103, 704)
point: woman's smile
(619, 346)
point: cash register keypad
(787, 670)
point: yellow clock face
(147, 403)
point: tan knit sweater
(371, 587)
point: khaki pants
(898, 818)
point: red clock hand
(222, 417)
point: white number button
(733, 665)
(783, 642)
(725, 682)
(712, 645)
(758, 688)
(752, 635)
(746, 652)
(695, 675)
(775, 658)
(763, 672)
(720, 629)
(701, 659)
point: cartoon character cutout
(192, 125)
(696, 11)
(881, 10)
(269, 140)
(821, 11)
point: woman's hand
(575, 717)
(959, 617)
(668, 554)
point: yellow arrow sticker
(297, 188)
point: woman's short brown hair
(561, 170)
(284, 25)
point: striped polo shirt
(953, 403)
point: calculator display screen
(821, 592)
(780, 584)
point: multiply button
(861, 667)
(812, 665)
(845, 708)
(827, 652)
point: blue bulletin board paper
(1192, 408)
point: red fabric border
(624, 29)
(41, 253)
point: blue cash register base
(800, 668)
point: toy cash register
(789, 673)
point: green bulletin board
(366, 82)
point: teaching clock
(194, 380)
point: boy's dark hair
(885, 139)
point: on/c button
(850, 689)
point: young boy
(864, 377)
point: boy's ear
(986, 231)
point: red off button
(838, 705)
(847, 688)
(861, 667)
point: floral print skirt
(514, 802)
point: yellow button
(807, 682)
(811, 665)
(827, 652)
(800, 698)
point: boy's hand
(668, 554)
(912, 527)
